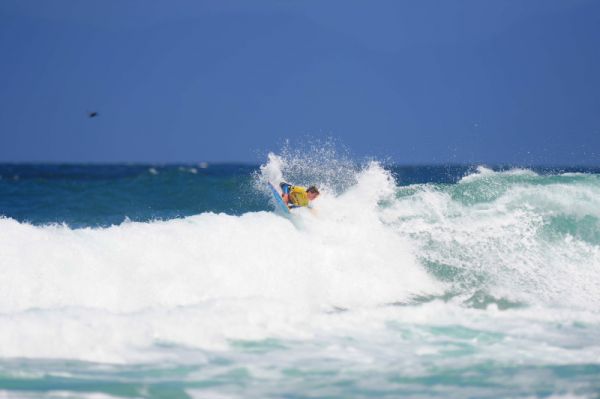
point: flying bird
(92, 114)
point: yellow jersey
(298, 196)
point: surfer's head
(312, 192)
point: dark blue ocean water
(101, 195)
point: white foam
(55, 394)
(483, 172)
(185, 261)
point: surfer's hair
(312, 189)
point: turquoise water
(178, 281)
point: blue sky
(412, 81)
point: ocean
(180, 281)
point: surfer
(296, 196)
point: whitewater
(488, 286)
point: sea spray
(323, 163)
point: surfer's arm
(285, 193)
